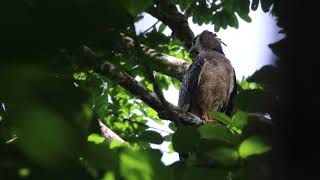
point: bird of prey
(210, 82)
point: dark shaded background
(298, 155)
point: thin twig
(156, 86)
(142, 124)
(150, 27)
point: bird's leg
(206, 117)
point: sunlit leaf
(240, 120)
(158, 121)
(80, 76)
(252, 146)
(95, 138)
(151, 112)
(170, 147)
(24, 172)
(116, 144)
(109, 175)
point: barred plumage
(210, 82)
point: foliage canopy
(52, 94)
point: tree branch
(156, 86)
(168, 13)
(169, 111)
(163, 63)
(108, 134)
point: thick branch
(168, 111)
(163, 63)
(108, 134)
(168, 13)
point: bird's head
(206, 41)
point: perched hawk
(210, 82)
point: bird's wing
(190, 83)
(233, 89)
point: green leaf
(168, 137)
(240, 120)
(265, 5)
(80, 76)
(24, 172)
(162, 27)
(135, 165)
(158, 121)
(152, 137)
(217, 132)
(96, 138)
(185, 139)
(184, 4)
(100, 157)
(109, 175)
(242, 7)
(216, 28)
(255, 4)
(170, 147)
(116, 144)
(224, 19)
(245, 85)
(216, 21)
(151, 112)
(224, 155)
(245, 17)
(221, 117)
(234, 21)
(136, 6)
(173, 126)
(253, 145)
(176, 83)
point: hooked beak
(221, 41)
